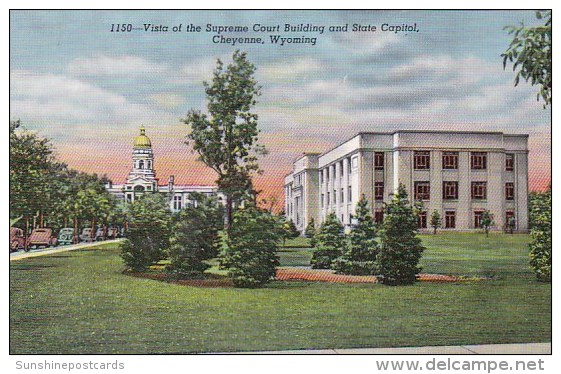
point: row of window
(478, 160)
(449, 221)
(330, 170)
(140, 164)
(450, 190)
(332, 198)
(421, 161)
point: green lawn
(80, 302)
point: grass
(80, 302)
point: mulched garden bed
(317, 275)
(288, 274)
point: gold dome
(142, 141)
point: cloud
(60, 99)
(292, 70)
(167, 100)
(122, 66)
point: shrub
(400, 248)
(310, 230)
(250, 256)
(540, 246)
(195, 236)
(330, 241)
(359, 257)
(148, 232)
(435, 220)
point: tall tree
(195, 236)
(149, 231)
(400, 247)
(330, 241)
(31, 169)
(251, 247)
(359, 256)
(530, 51)
(540, 232)
(226, 138)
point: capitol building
(142, 179)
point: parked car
(99, 234)
(42, 238)
(17, 240)
(86, 235)
(67, 236)
(112, 233)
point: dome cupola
(142, 141)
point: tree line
(45, 192)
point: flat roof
(417, 132)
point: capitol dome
(142, 141)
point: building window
(378, 191)
(321, 177)
(422, 190)
(479, 190)
(141, 164)
(478, 160)
(177, 202)
(328, 199)
(342, 171)
(509, 191)
(509, 166)
(450, 190)
(349, 166)
(422, 220)
(421, 160)
(378, 160)
(450, 219)
(449, 160)
(322, 198)
(342, 197)
(334, 197)
(327, 174)
(477, 217)
(379, 216)
(149, 164)
(350, 194)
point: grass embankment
(80, 302)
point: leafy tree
(251, 247)
(291, 230)
(226, 139)
(31, 170)
(195, 236)
(400, 248)
(148, 234)
(530, 51)
(330, 241)
(540, 224)
(486, 221)
(511, 224)
(359, 257)
(435, 220)
(310, 231)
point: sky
(89, 90)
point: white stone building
(142, 179)
(459, 174)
